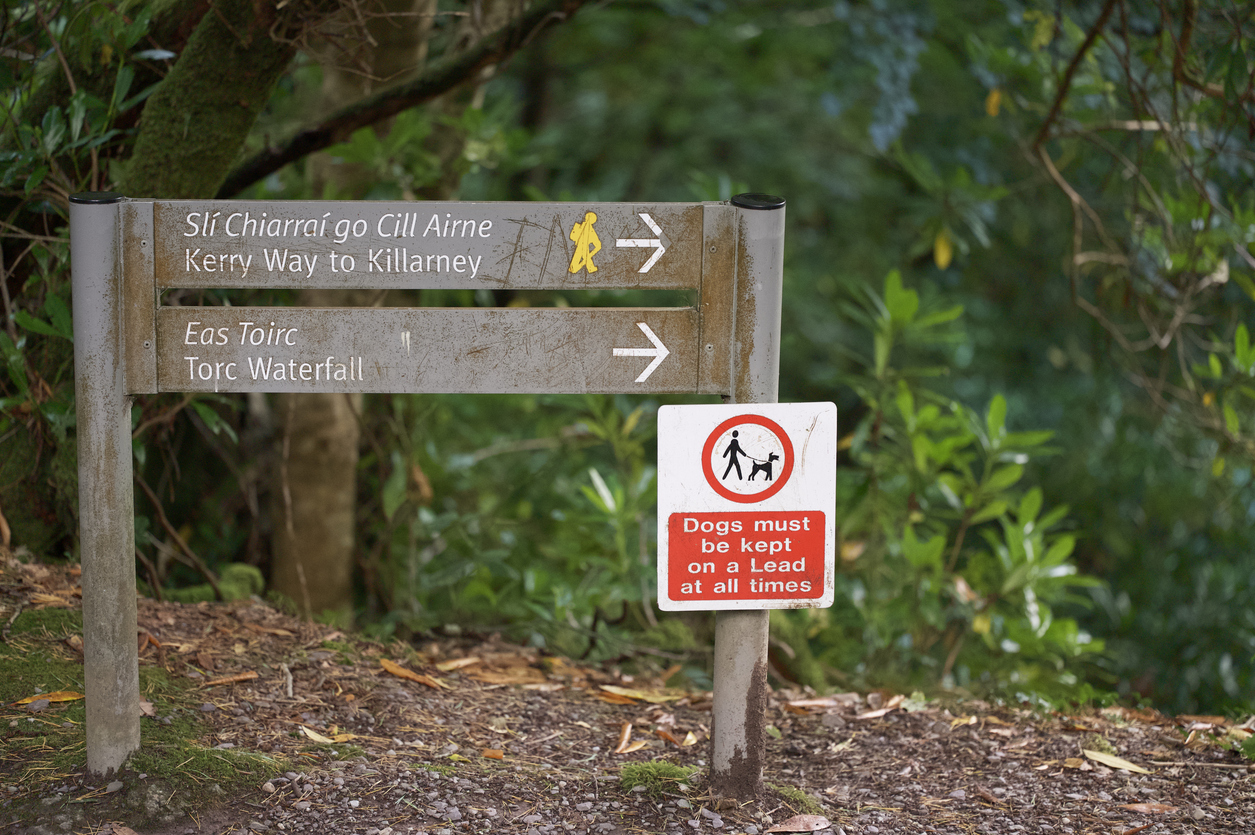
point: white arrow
(659, 352)
(659, 249)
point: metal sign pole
(105, 498)
(740, 674)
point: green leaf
(1231, 420)
(923, 554)
(1002, 478)
(213, 420)
(1060, 549)
(59, 315)
(1243, 356)
(53, 131)
(122, 85)
(940, 317)
(996, 419)
(1030, 505)
(990, 511)
(901, 302)
(1213, 365)
(35, 178)
(393, 491)
(30, 323)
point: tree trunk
(314, 532)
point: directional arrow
(659, 352)
(659, 249)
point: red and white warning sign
(745, 506)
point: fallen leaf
(234, 679)
(690, 738)
(401, 672)
(146, 708)
(962, 720)
(802, 823)
(41, 599)
(653, 697)
(493, 754)
(635, 746)
(614, 698)
(58, 696)
(1113, 761)
(987, 796)
(270, 630)
(625, 734)
(994, 720)
(1188, 719)
(661, 734)
(315, 736)
(1148, 808)
(457, 664)
(837, 700)
(1074, 762)
(887, 707)
(510, 675)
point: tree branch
(1066, 84)
(439, 78)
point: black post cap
(96, 197)
(755, 200)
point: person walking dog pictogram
(731, 453)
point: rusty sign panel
(404, 350)
(224, 244)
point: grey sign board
(203, 243)
(282, 349)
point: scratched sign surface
(327, 244)
(284, 349)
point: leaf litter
(361, 748)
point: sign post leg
(105, 498)
(740, 674)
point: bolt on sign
(745, 506)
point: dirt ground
(478, 736)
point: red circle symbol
(777, 483)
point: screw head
(147, 343)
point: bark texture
(313, 558)
(194, 125)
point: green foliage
(952, 566)
(541, 517)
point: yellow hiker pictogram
(587, 244)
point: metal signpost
(126, 252)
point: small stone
(206, 707)
(355, 803)
(268, 787)
(583, 807)
(116, 785)
(37, 705)
(958, 794)
(257, 826)
(302, 805)
(532, 819)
